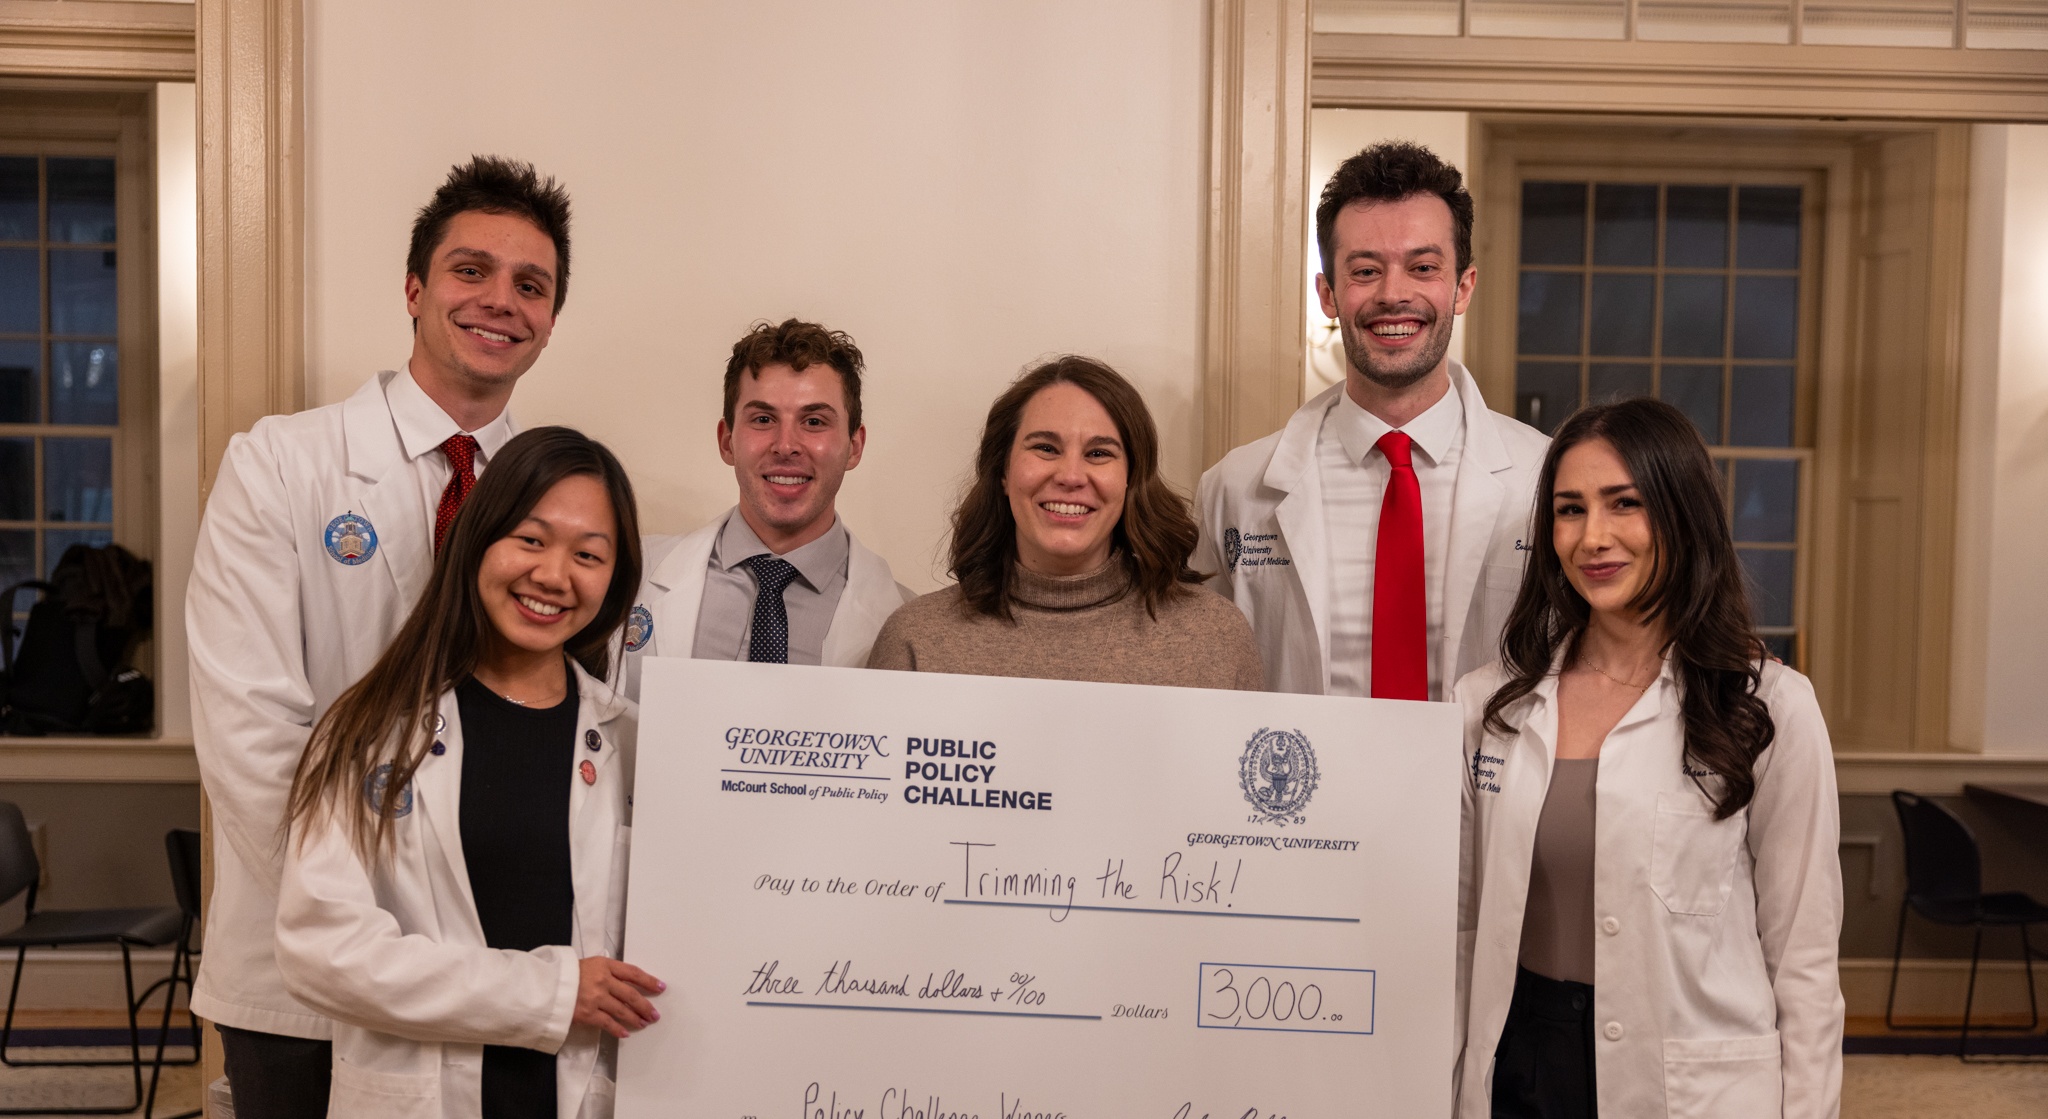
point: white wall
(965, 188)
(2001, 628)
(177, 320)
(1336, 135)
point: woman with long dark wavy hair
(1071, 553)
(1651, 897)
(454, 882)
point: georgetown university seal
(1278, 774)
(1233, 546)
(350, 539)
(378, 784)
(639, 627)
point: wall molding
(1744, 79)
(1933, 774)
(1934, 988)
(97, 39)
(150, 761)
(1258, 194)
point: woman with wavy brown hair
(1071, 553)
(1651, 898)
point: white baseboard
(1935, 988)
(81, 979)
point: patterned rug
(110, 1086)
(1880, 1087)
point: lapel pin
(589, 772)
(438, 749)
(592, 739)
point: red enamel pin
(589, 772)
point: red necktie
(1400, 603)
(461, 452)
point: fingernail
(659, 985)
(657, 1016)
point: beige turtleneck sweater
(1077, 627)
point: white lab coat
(278, 628)
(672, 591)
(1715, 988)
(1262, 528)
(396, 955)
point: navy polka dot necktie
(769, 642)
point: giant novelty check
(891, 895)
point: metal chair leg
(181, 971)
(1970, 994)
(1898, 950)
(134, 1062)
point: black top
(517, 765)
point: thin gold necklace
(1588, 662)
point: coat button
(1613, 1031)
(1610, 926)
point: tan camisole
(1557, 922)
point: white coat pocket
(1692, 863)
(366, 1092)
(1724, 1078)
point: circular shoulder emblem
(350, 539)
(1278, 774)
(639, 629)
(1233, 546)
(377, 786)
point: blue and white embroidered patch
(350, 539)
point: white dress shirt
(423, 427)
(1354, 480)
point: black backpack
(71, 674)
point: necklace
(509, 699)
(1582, 660)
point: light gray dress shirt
(725, 618)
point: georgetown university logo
(350, 539)
(639, 627)
(378, 784)
(1278, 775)
(1233, 546)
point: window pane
(1387, 17)
(1879, 23)
(82, 291)
(1549, 313)
(1545, 393)
(1696, 227)
(1770, 580)
(1781, 646)
(1548, 19)
(20, 364)
(1761, 405)
(21, 292)
(17, 198)
(56, 540)
(2008, 25)
(1607, 382)
(18, 479)
(1715, 21)
(84, 383)
(1625, 224)
(1553, 223)
(1696, 391)
(1766, 500)
(78, 480)
(1624, 314)
(18, 562)
(82, 200)
(1766, 316)
(1693, 307)
(1767, 229)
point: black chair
(54, 928)
(182, 844)
(1945, 884)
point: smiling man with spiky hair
(1390, 512)
(778, 578)
(319, 535)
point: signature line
(931, 1010)
(1130, 909)
(827, 775)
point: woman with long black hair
(454, 882)
(1651, 897)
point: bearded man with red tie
(318, 536)
(1376, 542)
